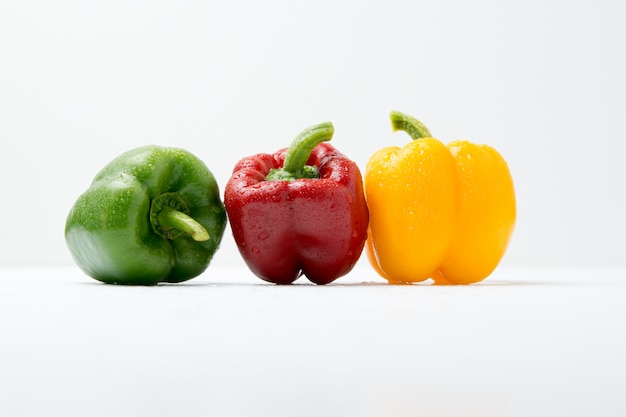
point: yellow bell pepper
(436, 211)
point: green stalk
(299, 152)
(409, 124)
(170, 218)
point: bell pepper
(437, 211)
(151, 215)
(298, 211)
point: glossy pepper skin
(437, 211)
(290, 219)
(151, 215)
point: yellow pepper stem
(409, 124)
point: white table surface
(525, 342)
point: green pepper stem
(299, 152)
(174, 219)
(409, 124)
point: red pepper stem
(300, 149)
(409, 124)
(299, 152)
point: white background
(526, 342)
(542, 81)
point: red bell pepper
(290, 219)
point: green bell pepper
(151, 215)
